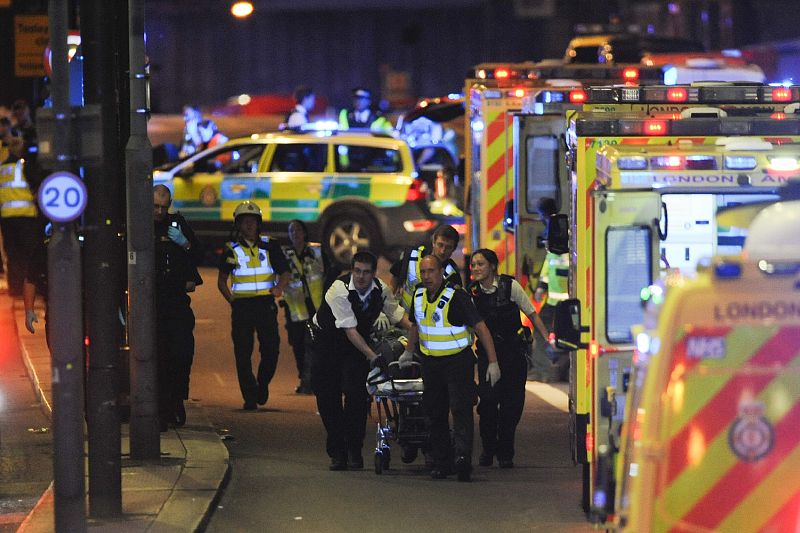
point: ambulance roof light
(577, 96)
(728, 270)
(677, 94)
(630, 74)
(501, 73)
(654, 127)
(519, 93)
(781, 94)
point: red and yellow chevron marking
(498, 184)
(703, 485)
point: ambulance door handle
(657, 222)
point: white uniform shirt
(343, 311)
(518, 296)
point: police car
(354, 190)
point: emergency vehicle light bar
(530, 71)
(703, 94)
(697, 127)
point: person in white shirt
(304, 102)
(342, 356)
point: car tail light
(577, 96)
(415, 226)
(417, 191)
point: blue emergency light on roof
(728, 270)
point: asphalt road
(280, 479)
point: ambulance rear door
(539, 151)
(625, 260)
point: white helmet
(247, 208)
(774, 233)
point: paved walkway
(175, 493)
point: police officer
(405, 271)
(259, 274)
(441, 317)
(18, 222)
(554, 283)
(304, 101)
(342, 356)
(177, 254)
(499, 299)
(302, 296)
(361, 115)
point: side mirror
(186, 171)
(508, 218)
(567, 325)
(558, 234)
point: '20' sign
(62, 197)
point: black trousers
(175, 349)
(258, 315)
(500, 407)
(296, 332)
(19, 236)
(449, 387)
(338, 378)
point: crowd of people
(330, 319)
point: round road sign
(62, 196)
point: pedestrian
(18, 217)
(36, 283)
(405, 271)
(342, 356)
(24, 128)
(442, 317)
(361, 115)
(210, 135)
(499, 300)
(547, 364)
(304, 101)
(303, 295)
(177, 254)
(192, 131)
(259, 273)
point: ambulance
(644, 194)
(711, 439)
(493, 93)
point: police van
(710, 439)
(354, 190)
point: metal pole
(65, 313)
(145, 437)
(103, 255)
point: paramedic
(441, 319)
(405, 271)
(499, 299)
(342, 356)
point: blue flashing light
(320, 125)
(671, 76)
(600, 499)
(728, 270)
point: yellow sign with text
(31, 35)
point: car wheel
(347, 234)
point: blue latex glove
(177, 236)
(381, 323)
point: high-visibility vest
(437, 337)
(306, 283)
(375, 122)
(555, 273)
(16, 199)
(254, 275)
(414, 277)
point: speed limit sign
(62, 196)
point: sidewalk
(175, 493)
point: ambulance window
(628, 270)
(299, 158)
(350, 158)
(237, 159)
(541, 170)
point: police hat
(360, 92)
